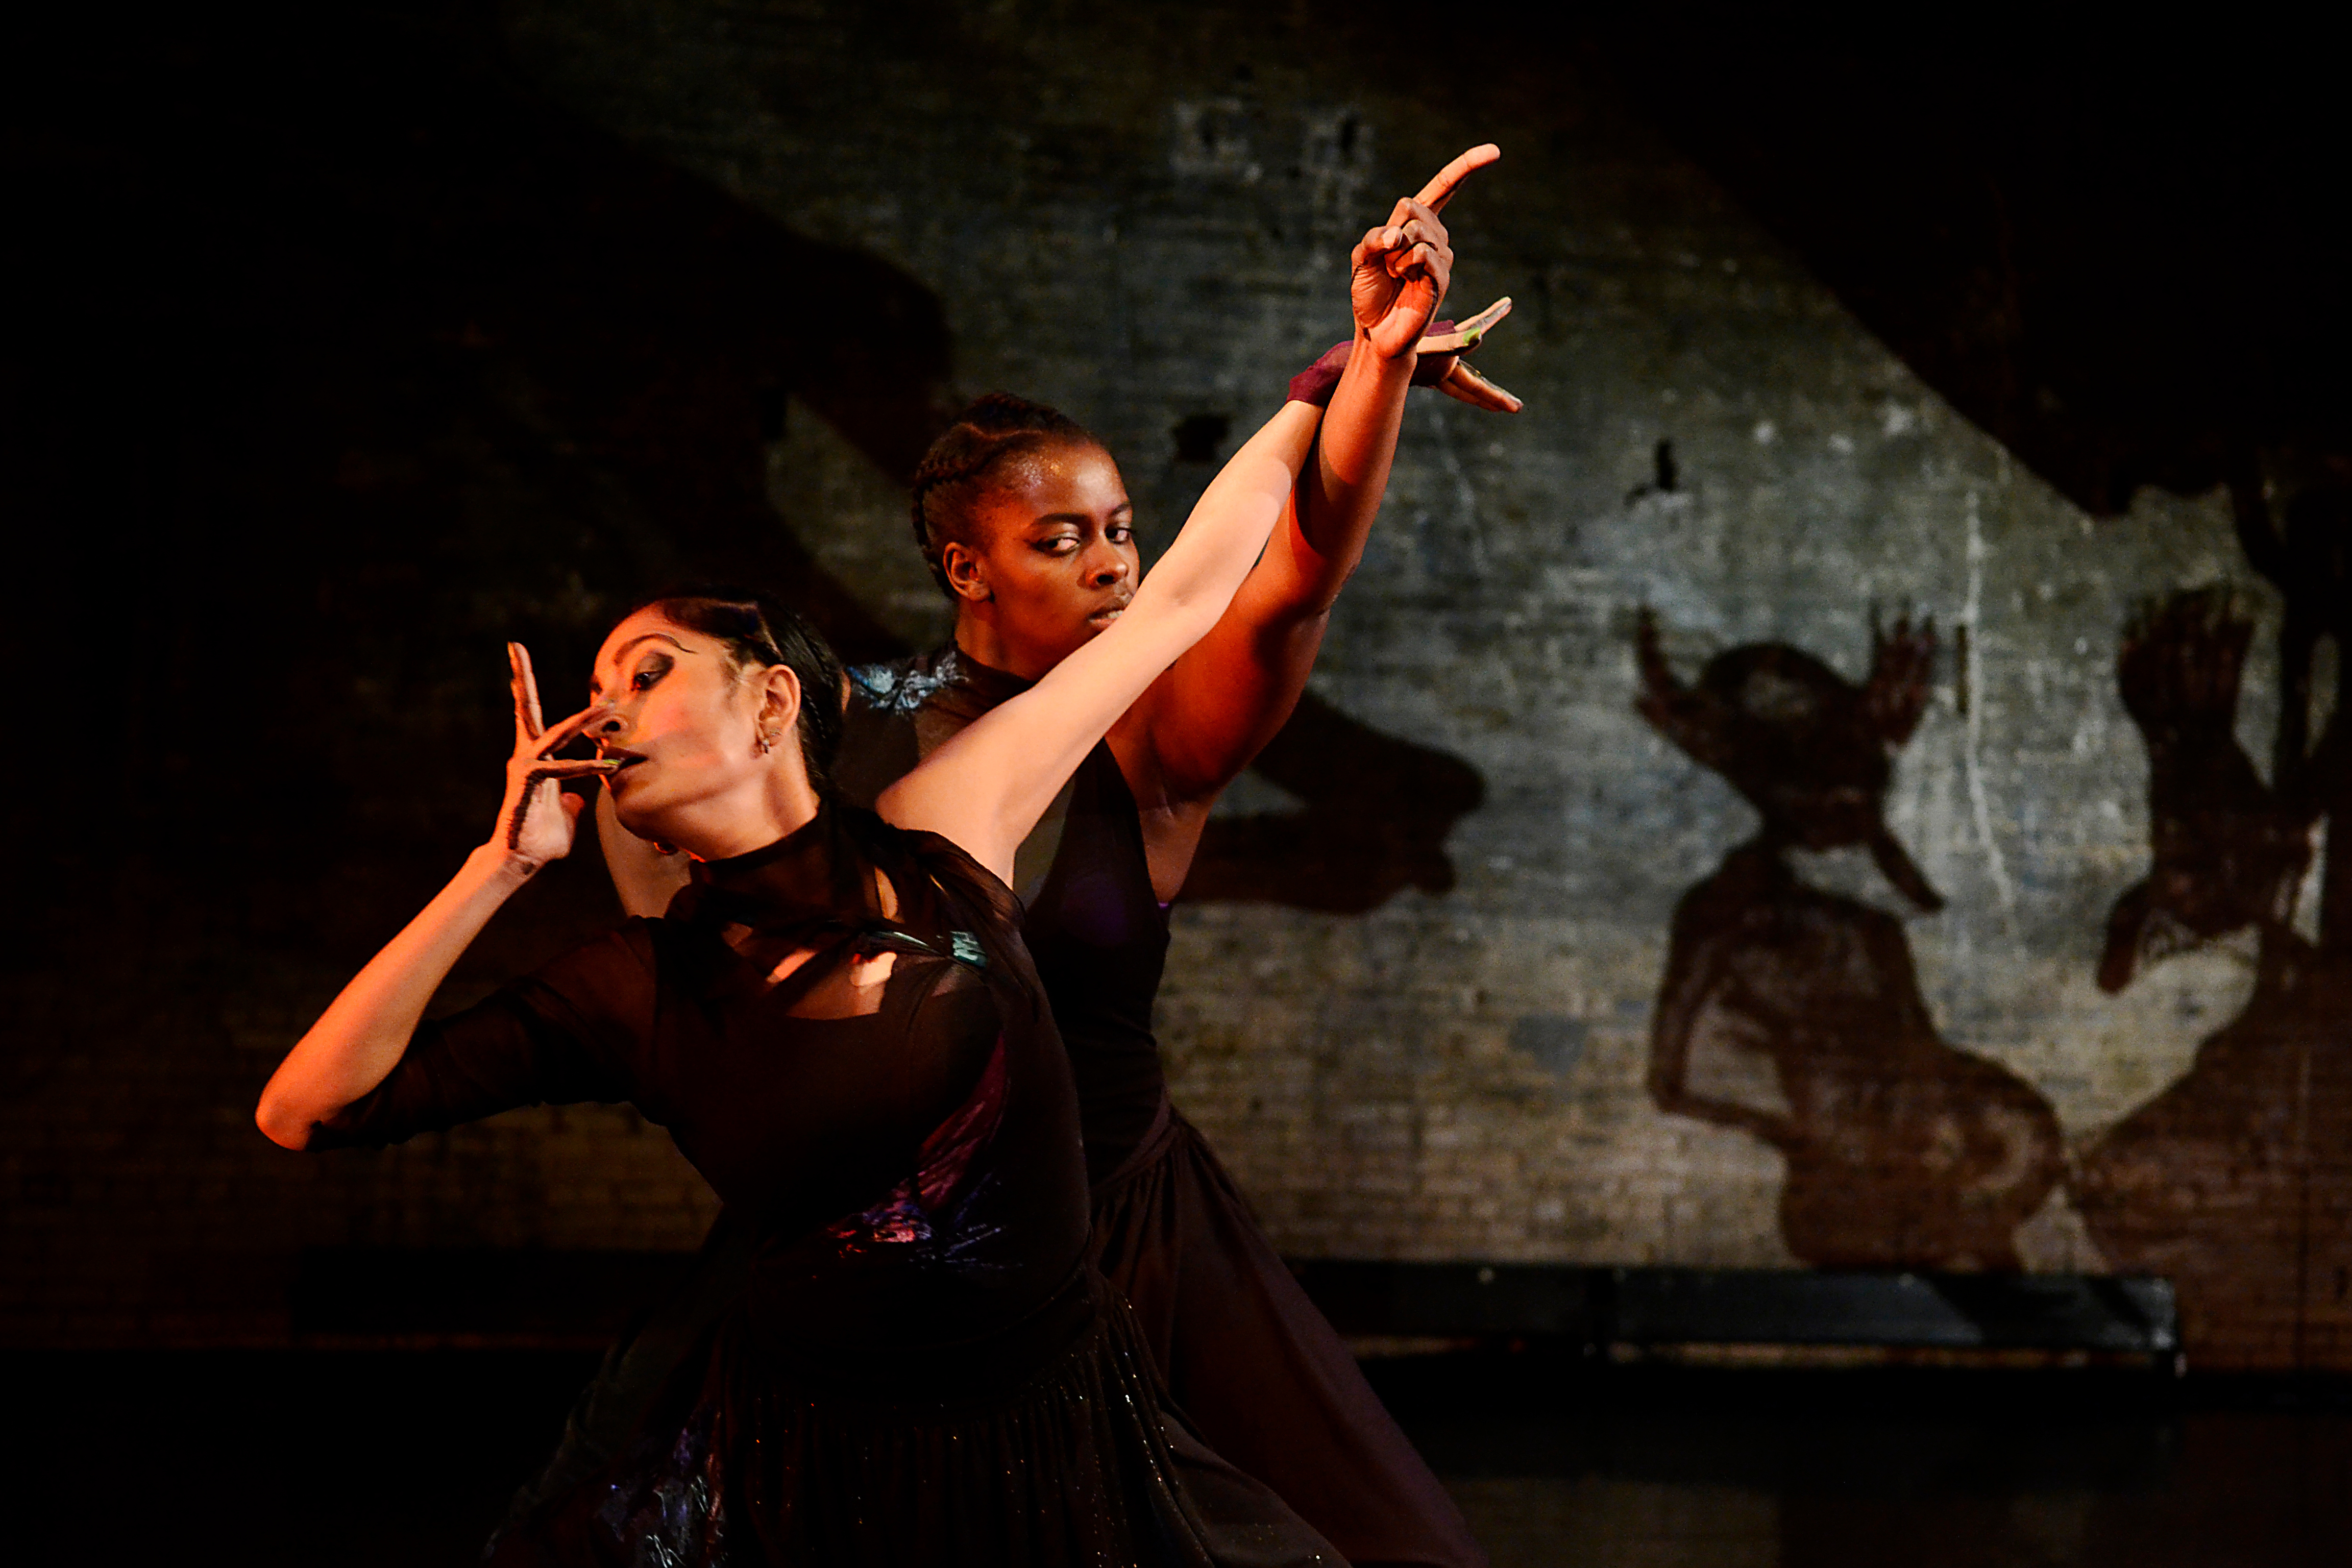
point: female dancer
(1023, 520)
(840, 1026)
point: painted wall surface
(1468, 1024)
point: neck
(983, 634)
(722, 829)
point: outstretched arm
(364, 1032)
(1224, 700)
(985, 788)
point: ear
(967, 573)
(779, 712)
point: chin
(638, 815)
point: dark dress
(1248, 1358)
(913, 1361)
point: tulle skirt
(755, 1453)
(1253, 1365)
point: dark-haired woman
(840, 1026)
(1026, 524)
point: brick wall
(1134, 218)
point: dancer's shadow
(1375, 812)
(2222, 1182)
(1902, 1150)
(2227, 851)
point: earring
(765, 742)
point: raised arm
(1224, 700)
(365, 1030)
(985, 788)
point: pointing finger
(1440, 191)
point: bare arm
(365, 1030)
(985, 788)
(1224, 700)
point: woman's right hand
(1399, 271)
(537, 821)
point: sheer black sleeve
(569, 1034)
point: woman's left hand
(1438, 361)
(1440, 364)
(1401, 270)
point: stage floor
(363, 1460)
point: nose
(607, 726)
(1109, 565)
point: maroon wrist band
(1319, 380)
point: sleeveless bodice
(1091, 920)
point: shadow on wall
(1902, 1150)
(1377, 812)
(2235, 1181)
(2106, 250)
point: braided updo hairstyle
(759, 631)
(998, 427)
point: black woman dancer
(1023, 520)
(840, 1026)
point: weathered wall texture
(1134, 216)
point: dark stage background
(346, 343)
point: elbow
(281, 1124)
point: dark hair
(759, 630)
(999, 425)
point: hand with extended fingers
(537, 818)
(1441, 363)
(1399, 272)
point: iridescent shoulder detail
(962, 946)
(902, 686)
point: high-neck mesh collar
(810, 876)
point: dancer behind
(1023, 520)
(840, 1026)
